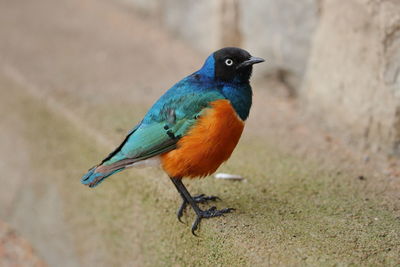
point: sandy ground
(15, 251)
(75, 75)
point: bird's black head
(232, 63)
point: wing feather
(168, 120)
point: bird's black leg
(198, 199)
(182, 208)
(188, 199)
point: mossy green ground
(290, 211)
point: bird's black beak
(249, 62)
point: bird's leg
(188, 199)
(198, 199)
(182, 208)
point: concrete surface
(351, 84)
(15, 251)
(280, 31)
(76, 75)
(349, 50)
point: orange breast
(207, 145)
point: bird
(191, 129)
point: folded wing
(167, 121)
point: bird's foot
(205, 214)
(204, 199)
(197, 199)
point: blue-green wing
(167, 121)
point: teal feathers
(176, 112)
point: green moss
(290, 210)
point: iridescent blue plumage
(191, 130)
(173, 115)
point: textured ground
(15, 251)
(76, 75)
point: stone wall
(352, 82)
(341, 56)
(279, 31)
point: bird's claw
(210, 213)
(202, 198)
(181, 209)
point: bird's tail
(97, 174)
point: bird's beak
(249, 62)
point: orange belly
(207, 145)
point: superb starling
(192, 129)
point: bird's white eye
(229, 62)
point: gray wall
(352, 83)
(279, 31)
(341, 56)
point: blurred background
(319, 154)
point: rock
(352, 82)
(146, 7)
(193, 21)
(207, 25)
(281, 32)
